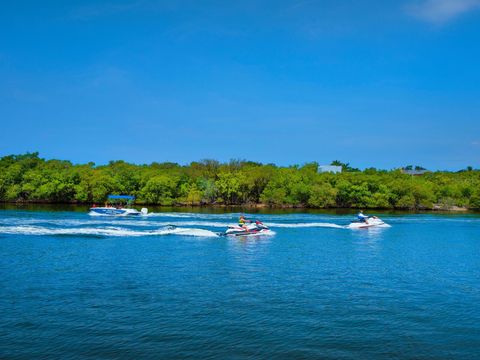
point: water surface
(80, 287)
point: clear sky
(372, 82)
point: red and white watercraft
(253, 228)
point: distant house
(330, 168)
(414, 172)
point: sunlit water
(75, 286)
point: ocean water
(74, 286)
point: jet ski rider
(242, 222)
(362, 218)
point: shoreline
(260, 207)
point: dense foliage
(30, 178)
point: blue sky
(373, 83)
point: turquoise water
(80, 287)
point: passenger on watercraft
(361, 217)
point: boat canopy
(121, 197)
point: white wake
(107, 231)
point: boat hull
(111, 211)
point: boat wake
(106, 231)
(270, 224)
(208, 220)
(142, 222)
(307, 225)
(158, 224)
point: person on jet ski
(242, 222)
(361, 217)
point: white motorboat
(117, 205)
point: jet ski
(253, 228)
(372, 221)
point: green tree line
(29, 178)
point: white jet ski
(372, 221)
(253, 228)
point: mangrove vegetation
(29, 178)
